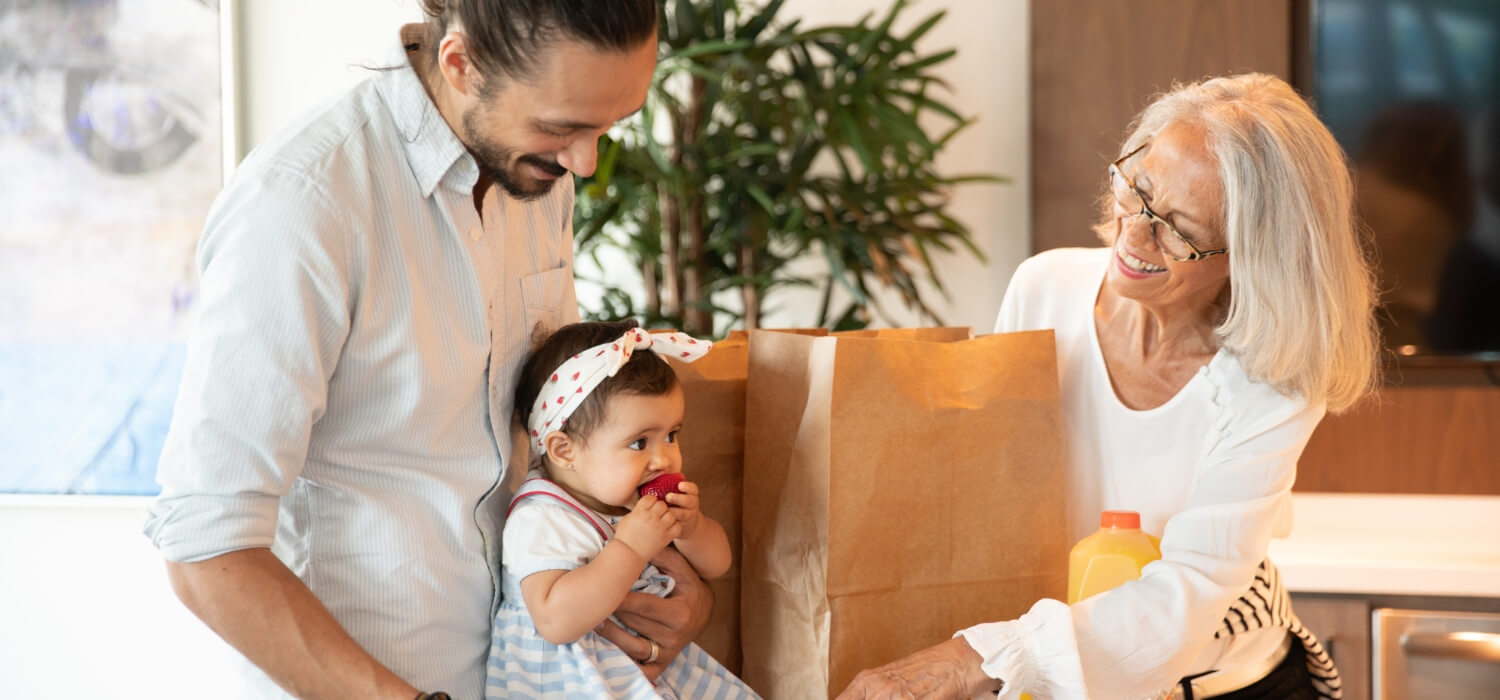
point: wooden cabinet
(1343, 623)
(1409, 439)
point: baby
(602, 412)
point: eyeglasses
(1175, 246)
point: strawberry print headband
(580, 375)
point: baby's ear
(560, 447)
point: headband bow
(565, 391)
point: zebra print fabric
(1267, 604)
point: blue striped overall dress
(522, 664)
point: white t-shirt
(543, 535)
(1210, 471)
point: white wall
(296, 54)
(85, 609)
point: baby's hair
(645, 374)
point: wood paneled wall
(1411, 439)
(1096, 64)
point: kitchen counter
(1392, 544)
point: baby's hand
(685, 507)
(649, 527)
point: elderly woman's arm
(1142, 637)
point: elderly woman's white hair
(1301, 293)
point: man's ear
(453, 60)
(560, 448)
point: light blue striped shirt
(360, 334)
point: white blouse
(1210, 471)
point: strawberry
(661, 486)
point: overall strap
(537, 487)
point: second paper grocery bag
(899, 486)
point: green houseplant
(762, 142)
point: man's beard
(493, 158)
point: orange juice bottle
(1113, 555)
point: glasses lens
(1123, 192)
(1166, 239)
(1169, 242)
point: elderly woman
(1196, 354)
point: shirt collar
(433, 150)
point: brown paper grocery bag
(713, 455)
(899, 486)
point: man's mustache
(546, 166)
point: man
(333, 482)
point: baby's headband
(566, 389)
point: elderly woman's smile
(1167, 203)
(1136, 267)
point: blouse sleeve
(1010, 319)
(1143, 636)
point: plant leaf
(759, 22)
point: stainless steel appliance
(1420, 654)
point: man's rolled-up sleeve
(274, 311)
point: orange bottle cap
(1120, 519)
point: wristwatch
(433, 696)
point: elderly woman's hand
(949, 670)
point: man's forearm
(262, 609)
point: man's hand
(672, 622)
(948, 671)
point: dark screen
(1411, 89)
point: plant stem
(653, 289)
(698, 316)
(671, 232)
(749, 293)
(827, 302)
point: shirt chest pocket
(547, 296)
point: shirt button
(474, 234)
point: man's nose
(581, 157)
